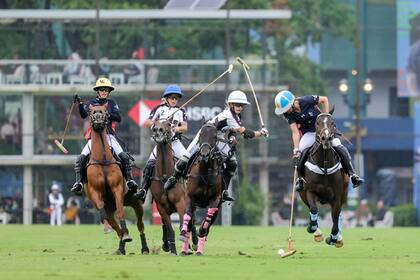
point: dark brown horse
(204, 187)
(325, 180)
(173, 200)
(105, 182)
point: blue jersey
(112, 108)
(305, 119)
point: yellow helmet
(103, 82)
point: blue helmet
(171, 89)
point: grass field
(84, 252)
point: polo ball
(280, 252)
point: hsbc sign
(197, 113)
(140, 112)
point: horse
(204, 187)
(106, 184)
(173, 200)
(325, 181)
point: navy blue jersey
(112, 108)
(305, 119)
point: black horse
(204, 186)
(325, 180)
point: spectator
(104, 67)
(72, 68)
(7, 132)
(363, 214)
(383, 218)
(72, 210)
(56, 203)
(134, 69)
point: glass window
(10, 125)
(11, 193)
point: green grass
(84, 252)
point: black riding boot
(228, 173)
(78, 167)
(299, 186)
(348, 166)
(147, 180)
(125, 161)
(180, 166)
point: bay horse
(204, 187)
(325, 181)
(173, 200)
(106, 185)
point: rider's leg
(228, 173)
(348, 166)
(125, 161)
(182, 163)
(299, 186)
(79, 166)
(180, 166)
(147, 178)
(306, 141)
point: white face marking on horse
(327, 132)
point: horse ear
(203, 120)
(332, 110)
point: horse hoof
(165, 247)
(174, 254)
(311, 229)
(339, 244)
(127, 238)
(145, 251)
(199, 254)
(183, 254)
(118, 252)
(194, 247)
(318, 238)
(330, 241)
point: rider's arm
(115, 116)
(295, 135)
(323, 100)
(82, 110)
(182, 127)
(148, 123)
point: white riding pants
(113, 143)
(177, 147)
(308, 139)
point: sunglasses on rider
(173, 97)
(104, 89)
(239, 105)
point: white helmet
(283, 101)
(55, 187)
(238, 97)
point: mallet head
(230, 68)
(60, 146)
(241, 61)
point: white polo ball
(280, 252)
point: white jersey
(228, 118)
(163, 111)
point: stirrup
(299, 185)
(226, 197)
(141, 194)
(77, 188)
(356, 180)
(170, 183)
(132, 185)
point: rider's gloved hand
(76, 98)
(264, 132)
(296, 156)
(248, 134)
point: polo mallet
(246, 68)
(290, 250)
(229, 70)
(60, 143)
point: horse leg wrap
(103, 214)
(186, 243)
(201, 242)
(210, 214)
(185, 222)
(314, 217)
(123, 226)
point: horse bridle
(212, 149)
(161, 135)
